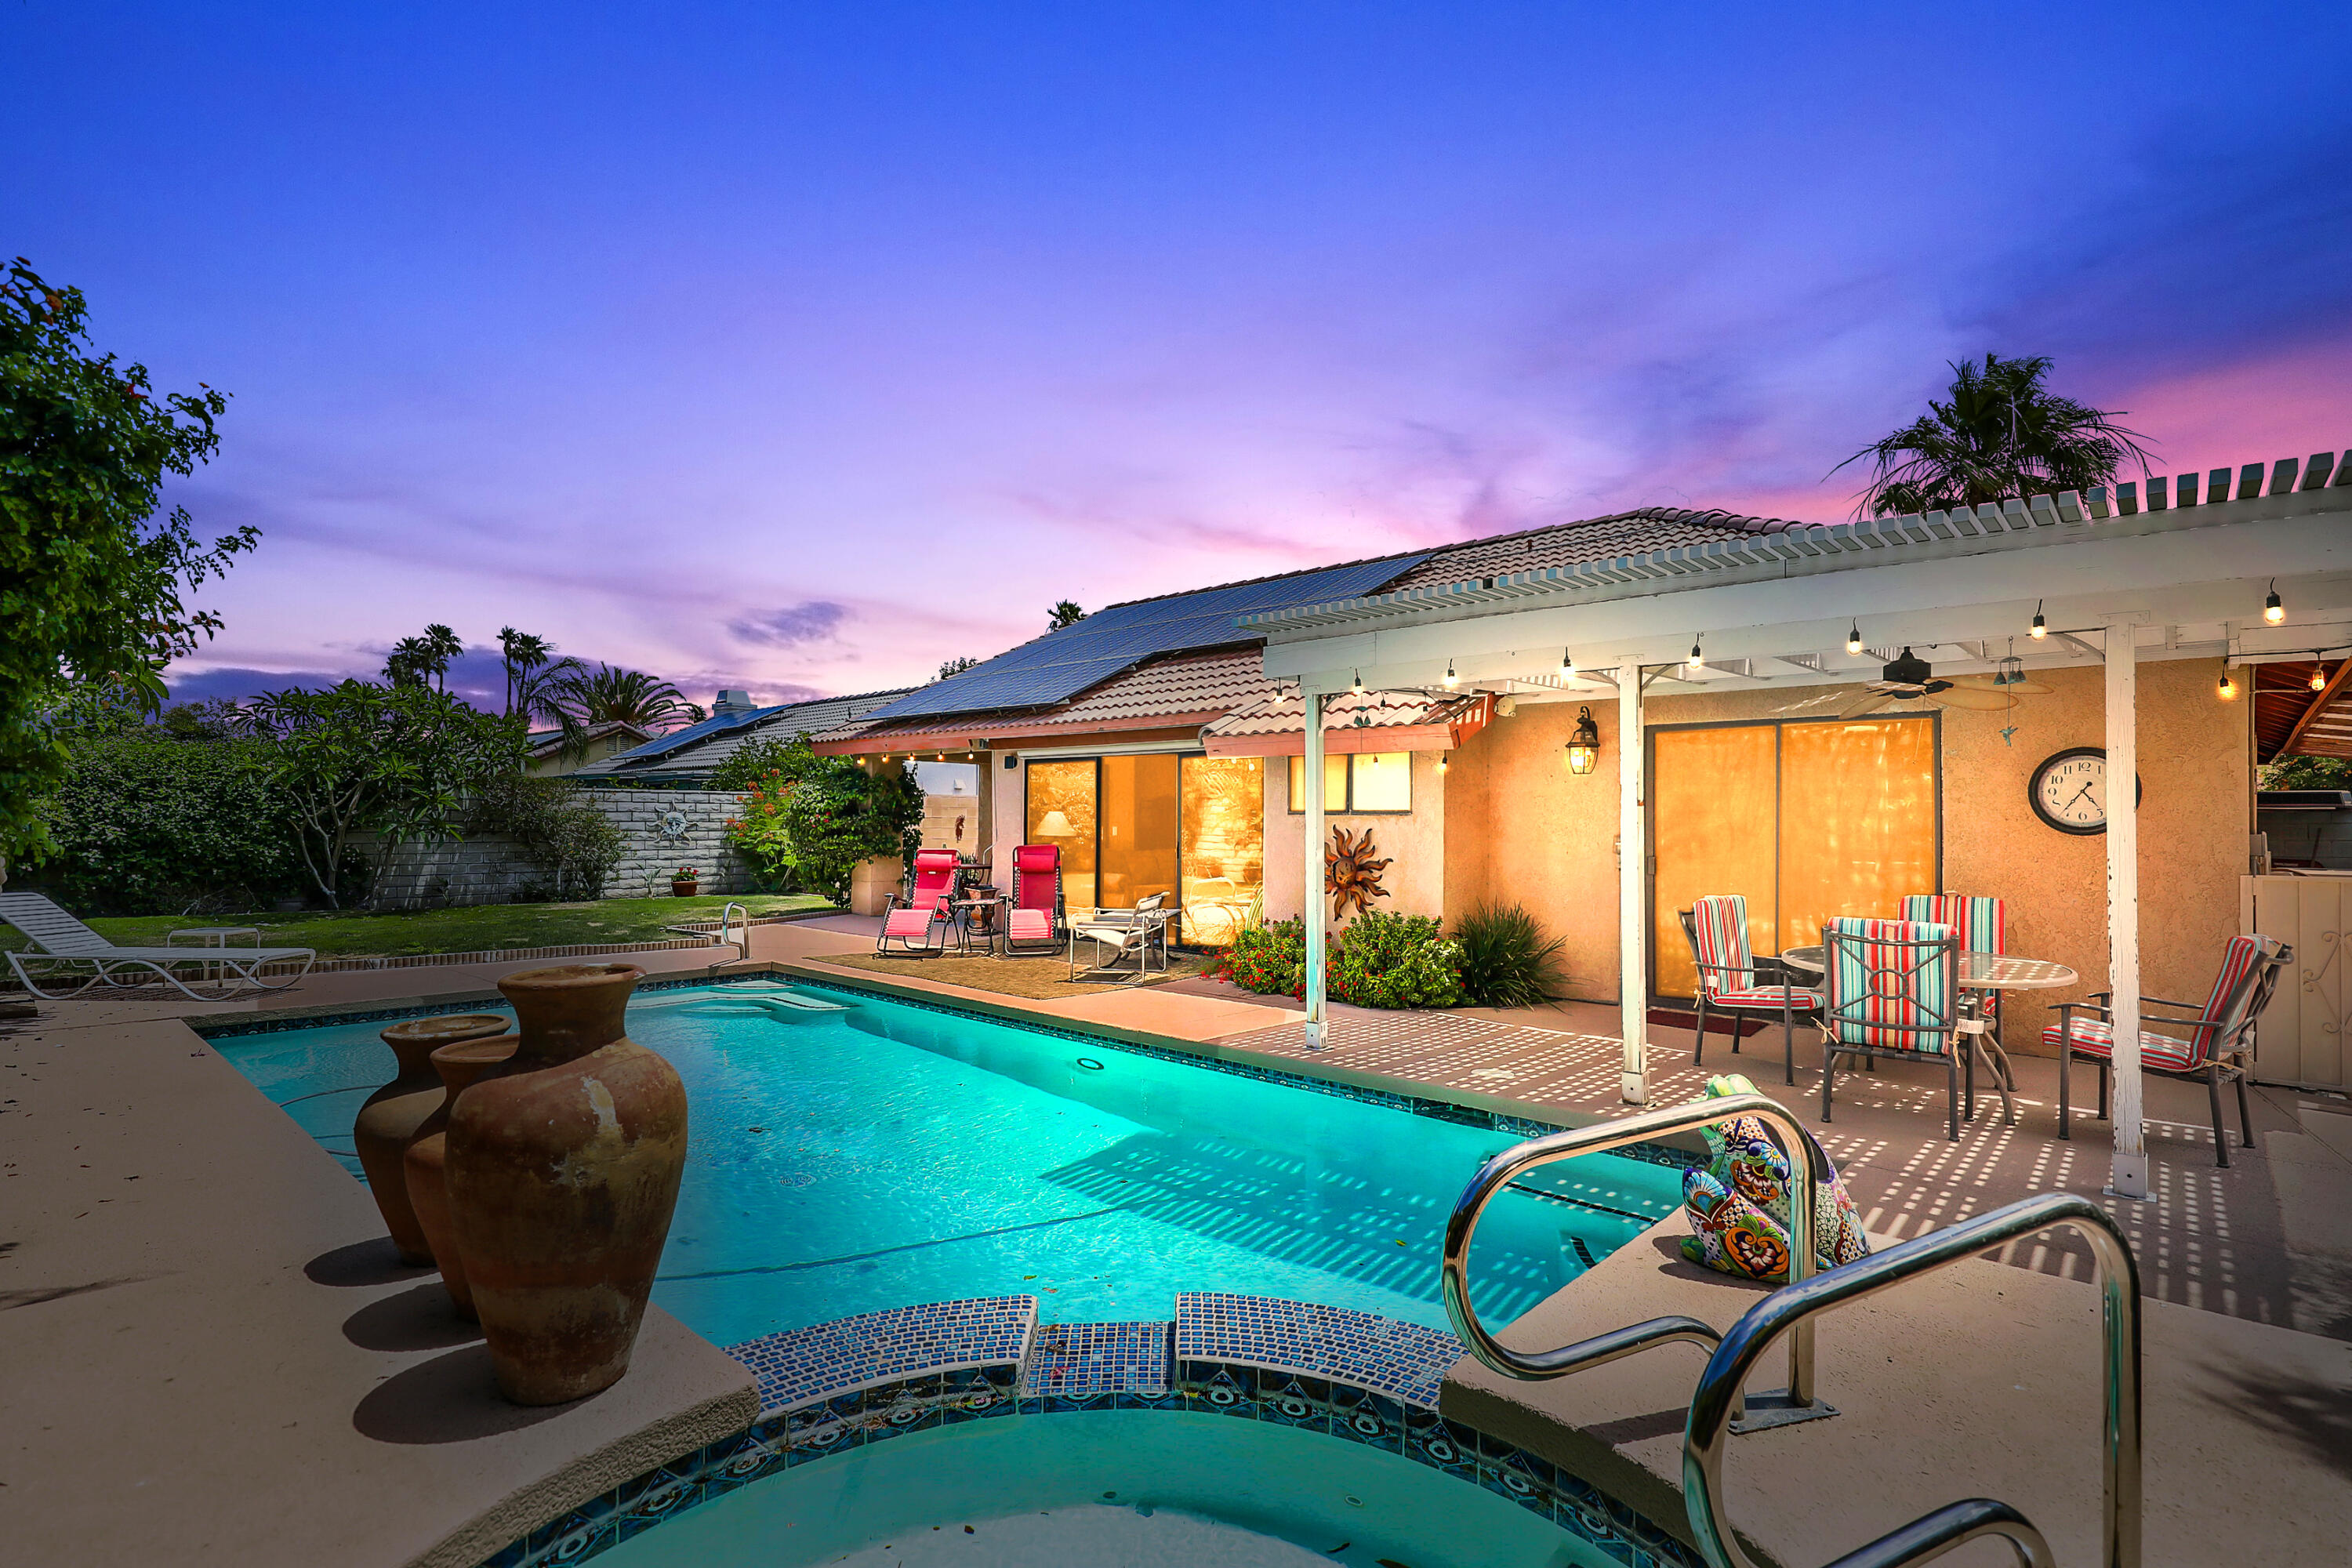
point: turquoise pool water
(1109, 1489)
(884, 1154)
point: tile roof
(664, 757)
(1284, 714)
(1184, 689)
(1589, 539)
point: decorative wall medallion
(1350, 875)
(672, 826)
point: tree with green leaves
(1065, 613)
(576, 700)
(415, 660)
(1999, 432)
(956, 667)
(91, 581)
(363, 759)
(524, 654)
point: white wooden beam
(1317, 1026)
(2129, 1172)
(1632, 886)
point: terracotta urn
(563, 1170)
(425, 1163)
(392, 1115)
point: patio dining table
(1978, 971)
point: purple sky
(801, 348)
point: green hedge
(1383, 960)
(148, 826)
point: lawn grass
(484, 926)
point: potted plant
(683, 881)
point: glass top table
(1977, 971)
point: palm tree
(1064, 613)
(442, 646)
(2002, 433)
(414, 659)
(523, 654)
(577, 699)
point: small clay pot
(392, 1115)
(563, 1168)
(425, 1163)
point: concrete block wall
(663, 829)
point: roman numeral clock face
(2069, 789)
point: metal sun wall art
(1350, 875)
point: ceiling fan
(1910, 679)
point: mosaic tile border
(1402, 1360)
(1110, 1366)
(799, 1366)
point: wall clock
(2069, 789)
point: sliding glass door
(1191, 827)
(1805, 818)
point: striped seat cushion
(1879, 981)
(910, 925)
(1983, 923)
(2096, 1037)
(1771, 997)
(1725, 961)
(1029, 925)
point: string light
(1440, 761)
(2273, 610)
(1854, 638)
(1359, 688)
(1451, 679)
(2041, 626)
(2227, 690)
(1567, 664)
(1697, 658)
(2318, 682)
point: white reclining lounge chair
(70, 951)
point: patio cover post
(2128, 1177)
(1633, 863)
(1313, 859)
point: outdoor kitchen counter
(213, 1355)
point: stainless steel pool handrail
(1502, 1169)
(1791, 1310)
(742, 944)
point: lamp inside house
(1054, 824)
(1584, 745)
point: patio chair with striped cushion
(1894, 991)
(2217, 1043)
(1733, 980)
(1983, 927)
(909, 921)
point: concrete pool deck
(209, 1341)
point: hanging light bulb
(2228, 690)
(1854, 638)
(1451, 679)
(2318, 682)
(1567, 664)
(1697, 658)
(2041, 626)
(1359, 687)
(2273, 610)
(1441, 762)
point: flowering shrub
(1397, 961)
(1382, 961)
(813, 819)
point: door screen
(1807, 819)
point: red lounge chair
(1033, 917)
(910, 922)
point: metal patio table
(1978, 971)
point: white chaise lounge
(68, 951)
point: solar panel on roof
(663, 745)
(1061, 664)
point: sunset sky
(800, 348)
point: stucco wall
(1413, 842)
(1525, 829)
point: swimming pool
(872, 1153)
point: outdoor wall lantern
(1584, 745)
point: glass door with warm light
(1220, 846)
(1805, 818)
(1062, 812)
(1137, 847)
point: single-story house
(684, 758)
(546, 756)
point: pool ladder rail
(1717, 1409)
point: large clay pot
(389, 1117)
(425, 1160)
(563, 1170)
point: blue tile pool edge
(1330, 1371)
(216, 1027)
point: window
(1353, 785)
(1221, 845)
